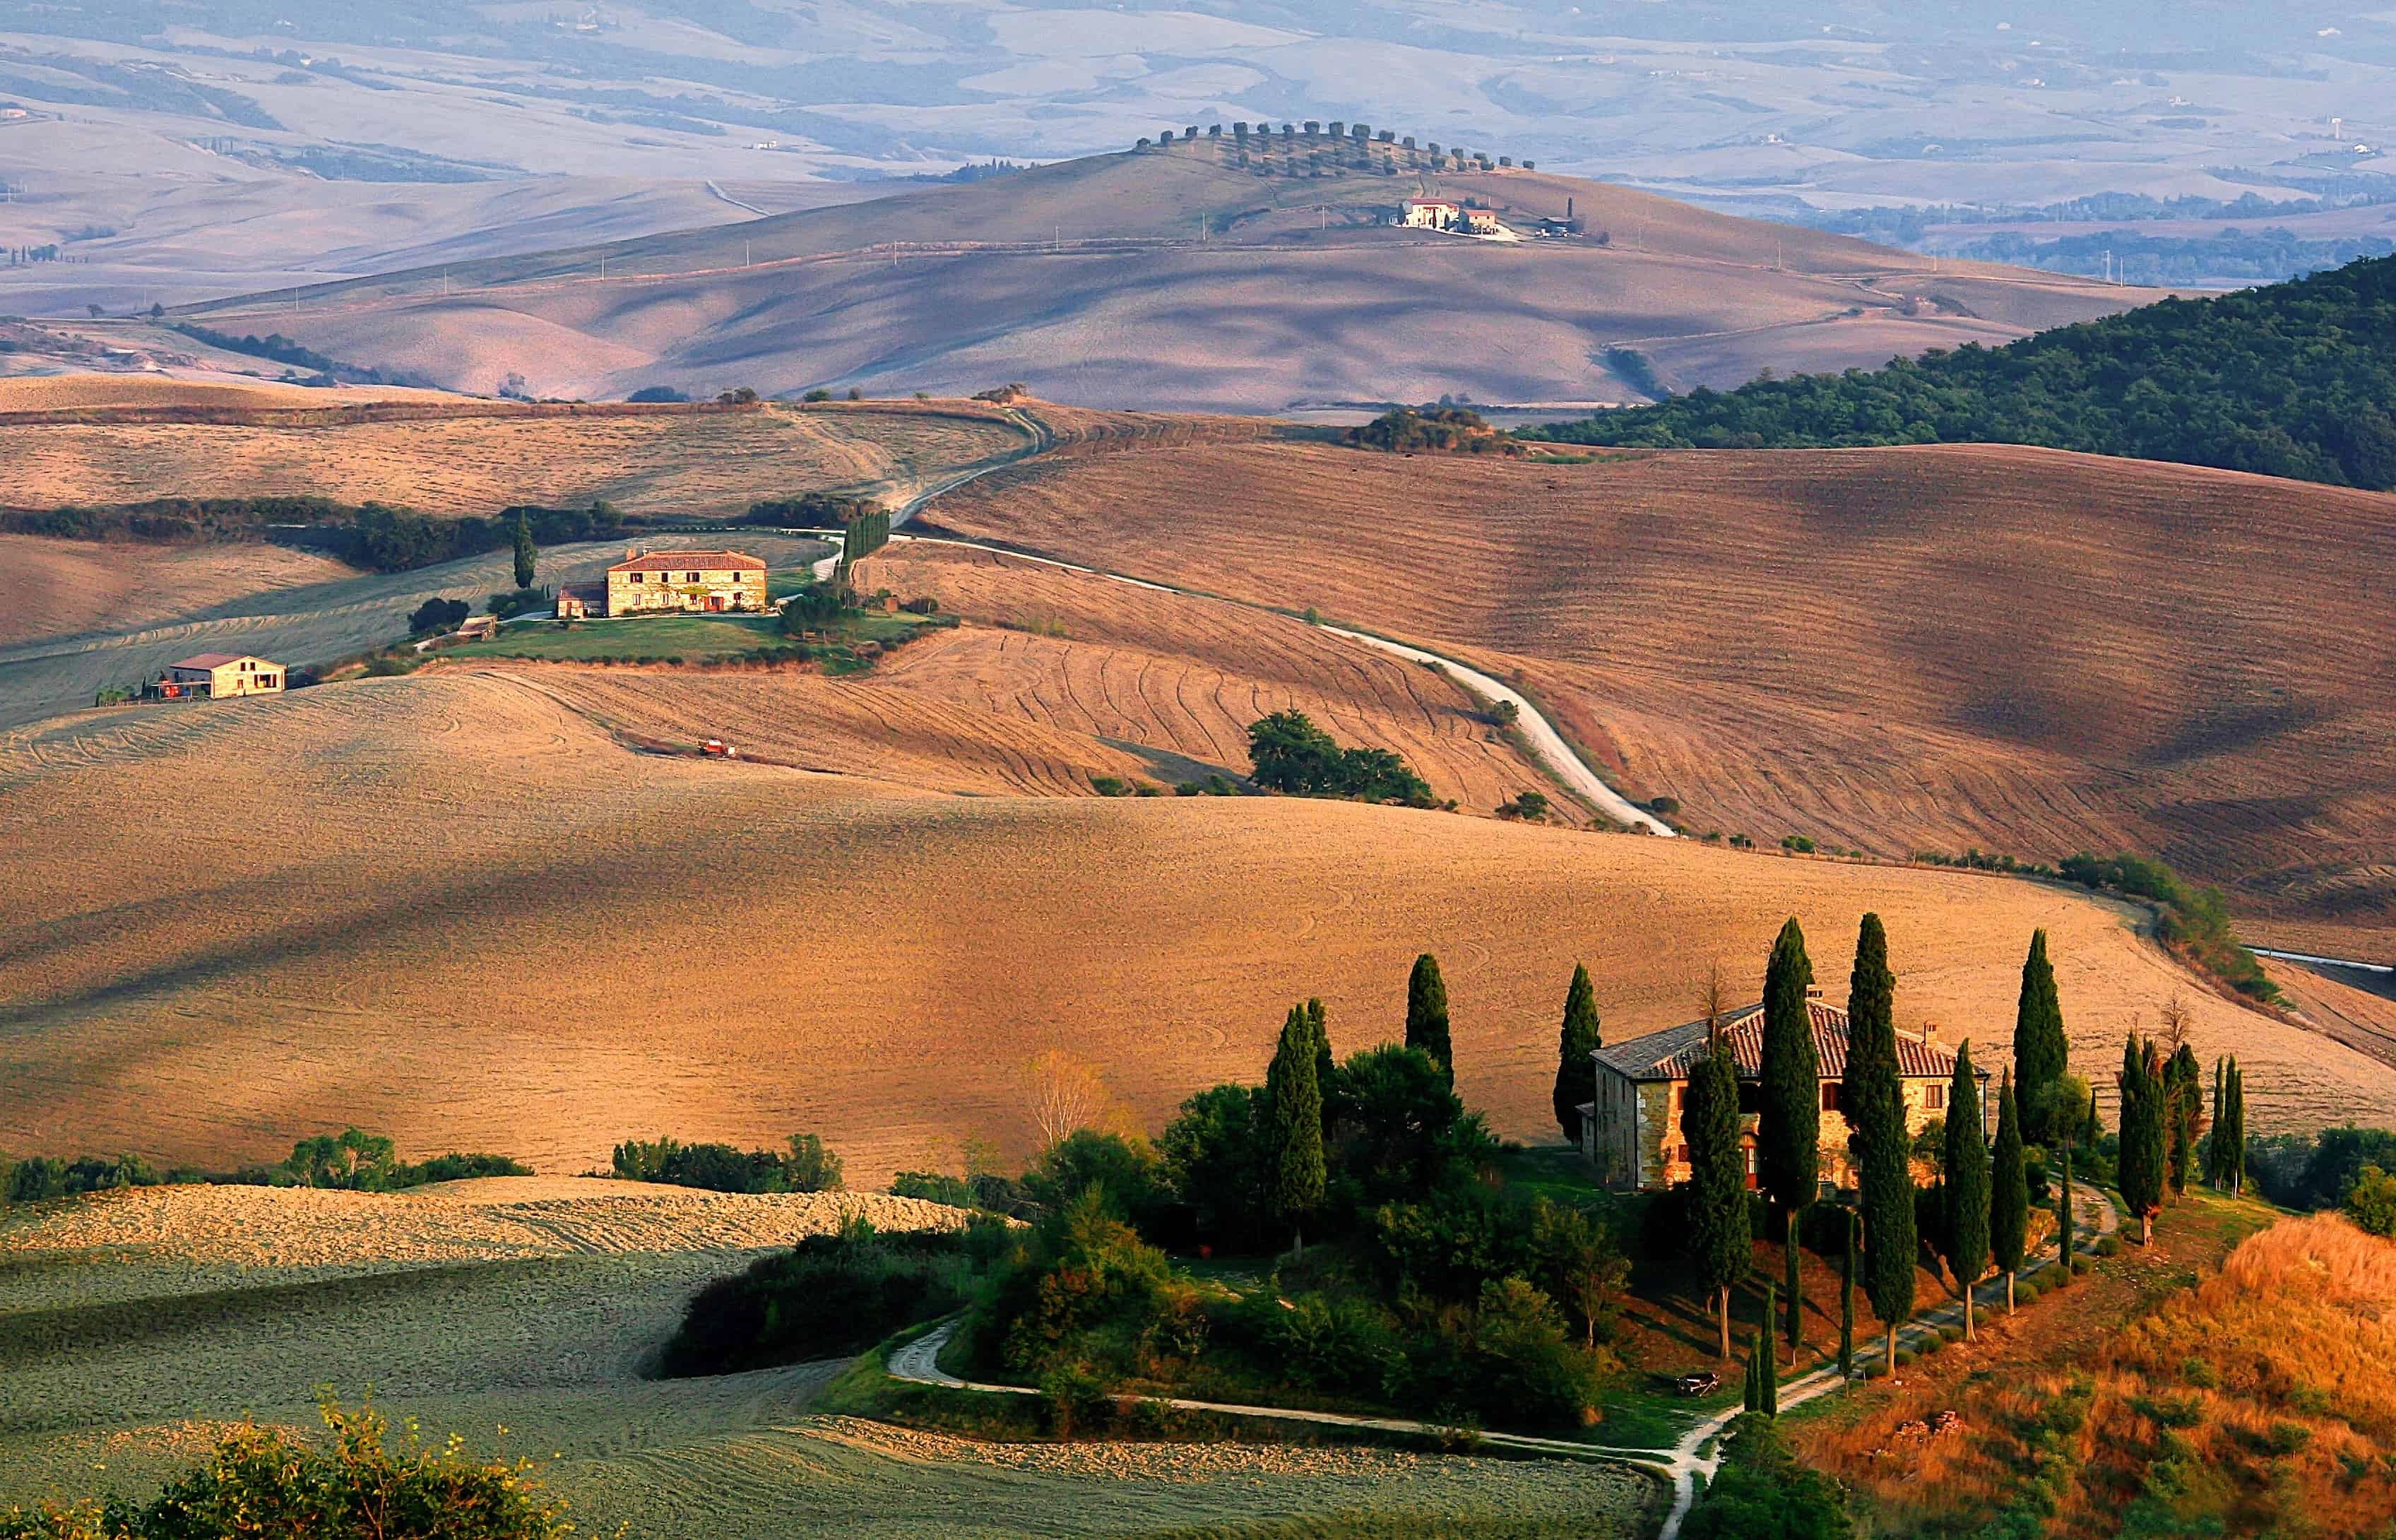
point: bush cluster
(353, 1159)
(2197, 920)
(807, 1166)
(1294, 756)
(1435, 430)
(829, 1296)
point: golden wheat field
(707, 463)
(72, 391)
(1895, 650)
(453, 909)
(523, 1313)
(58, 587)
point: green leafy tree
(1874, 1101)
(2040, 1052)
(1298, 1172)
(2138, 1173)
(1427, 1013)
(1764, 1493)
(527, 554)
(1576, 1072)
(1579, 1265)
(1719, 1238)
(2370, 1202)
(2008, 1189)
(1967, 1181)
(1789, 1125)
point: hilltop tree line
(351, 1161)
(1359, 136)
(2292, 381)
(372, 535)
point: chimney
(1813, 992)
(631, 554)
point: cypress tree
(1875, 1106)
(1327, 1072)
(2092, 1127)
(1427, 1013)
(2040, 1053)
(1767, 1364)
(527, 552)
(1718, 1241)
(2063, 1218)
(2139, 1173)
(1788, 1127)
(1847, 1293)
(1968, 1181)
(1750, 1397)
(2185, 1109)
(2235, 1159)
(1575, 1075)
(1297, 1100)
(1793, 1326)
(2008, 1190)
(2215, 1148)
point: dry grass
(452, 910)
(707, 463)
(1896, 650)
(2257, 1401)
(61, 588)
(1299, 295)
(76, 392)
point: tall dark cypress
(2139, 1172)
(527, 554)
(1875, 1104)
(2216, 1147)
(1576, 1073)
(1792, 1324)
(1788, 1128)
(1767, 1364)
(1326, 1071)
(1296, 1101)
(2040, 1053)
(1967, 1181)
(2008, 1190)
(1427, 1013)
(1718, 1241)
(2184, 1114)
(2236, 1157)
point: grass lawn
(689, 637)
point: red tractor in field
(718, 749)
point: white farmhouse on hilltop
(1444, 214)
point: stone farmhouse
(218, 676)
(1633, 1131)
(1442, 214)
(699, 582)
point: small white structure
(1430, 214)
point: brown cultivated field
(708, 463)
(58, 588)
(452, 910)
(72, 391)
(1896, 650)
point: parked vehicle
(718, 749)
(1705, 1382)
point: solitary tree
(1875, 1104)
(526, 553)
(2041, 1055)
(1967, 1181)
(2139, 1172)
(1297, 1097)
(1576, 1074)
(1789, 1129)
(1718, 1233)
(1427, 1013)
(2008, 1190)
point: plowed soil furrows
(712, 464)
(1893, 649)
(1183, 674)
(450, 909)
(60, 588)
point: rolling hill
(451, 908)
(1178, 277)
(1897, 650)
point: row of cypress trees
(2162, 1117)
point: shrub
(259, 1481)
(1761, 1492)
(1950, 1336)
(809, 1167)
(2370, 1202)
(1530, 806)
(1125, 1173)
(438, 614)
(1111, 786)
(1294, 756)
(829, 1296)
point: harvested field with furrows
(60, 588)
(1896, 650)
(452, 910)
(73, 391)
(703, 462)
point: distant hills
(2290, 380)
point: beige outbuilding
(219, 676)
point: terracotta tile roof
(1668, 1055)
(691, 561)
(208, 660)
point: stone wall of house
(739, 589)
(1616, 1146)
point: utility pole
(744, 254)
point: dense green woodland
(2290, 380)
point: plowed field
(58, 587)
(1893, 650)
(708, 463)
(452, 910)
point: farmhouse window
(640, 577)
(692, 578)
(1830, 1095)
(1934, 1097)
